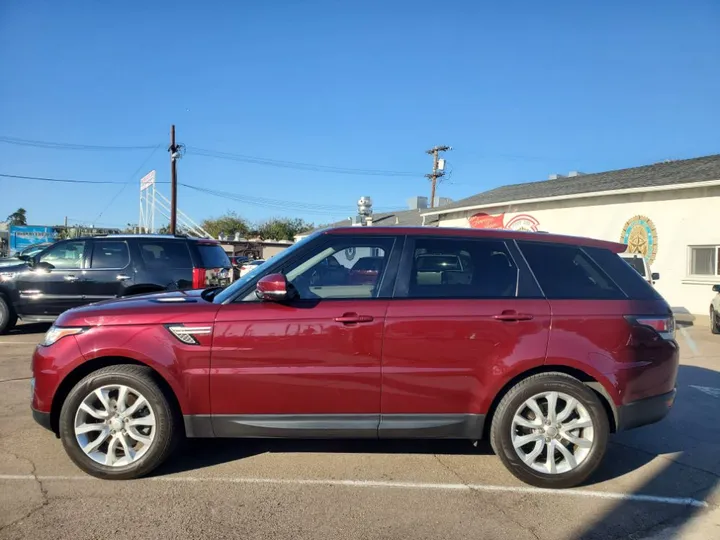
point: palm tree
(18, 217)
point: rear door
(465, 318)
(109, 273)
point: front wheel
(550, 431)
(8, 318)
(117, 424)
(714, 321)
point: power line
(68, 146)
(126, 184)
(294, 164)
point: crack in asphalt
(17, 379)
(467, 484)
(43, 491)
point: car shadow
(25, 329)
(627, 452)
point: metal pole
(173, 181)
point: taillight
(198, 278)
(663, 326)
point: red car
(544, 344)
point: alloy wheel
(115, 425)
(552, 432)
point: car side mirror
(44, 266)
(655, 276)
(272, 288)
(24, 257)
(716, 288)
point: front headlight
(56, 333)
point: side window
(159, 254)
(344, 268)
(66, 255)
(462, 268)
(567, 272)
(109, 254)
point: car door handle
(512, 316)
(122, 277)
(71, 278)
(353, 318)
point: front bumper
(645, 411)
(42, 418)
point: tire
(714, 321)
(505, 431)
(8, 318)
(163, 436)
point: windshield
(230, 291)
(637, 263)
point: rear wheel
(117, 424)
(714, 321)
(8, 318)
(550, 431)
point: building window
(704, 261)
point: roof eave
(591, 194)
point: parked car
(24, 254)
(249, 266)
(715, 311)
(552, 345)
(640, 264)
(80, 271)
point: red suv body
(543, 343)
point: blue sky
(519, 89)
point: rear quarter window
(165, 253)
(630, 281)
(567, 272)
(213, 256)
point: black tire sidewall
(164, 435)
(714, 322)
(7, 315)
(516, 397)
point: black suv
(80, 271)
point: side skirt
(337, 426)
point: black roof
(684, 171)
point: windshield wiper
(210, 292)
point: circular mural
(523, 222)
(640, 235)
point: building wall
(680, 218)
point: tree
(227, 224)
(18, 217)
(283, 228)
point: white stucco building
(669, 212)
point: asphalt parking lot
(661, 481)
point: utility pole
(173, 149)
(438, 169)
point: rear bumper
(42, 418)
(645, 411)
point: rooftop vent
(575, 173)
(555, 176)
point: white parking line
(18, 342)
(634, 497)
(690, 341)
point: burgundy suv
(545, 344)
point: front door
(53, 285)
(465, 319)
(109, 273)
(308, 367)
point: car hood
(12, 265)
(179, 307)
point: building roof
(400, 218)
(686, 171)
